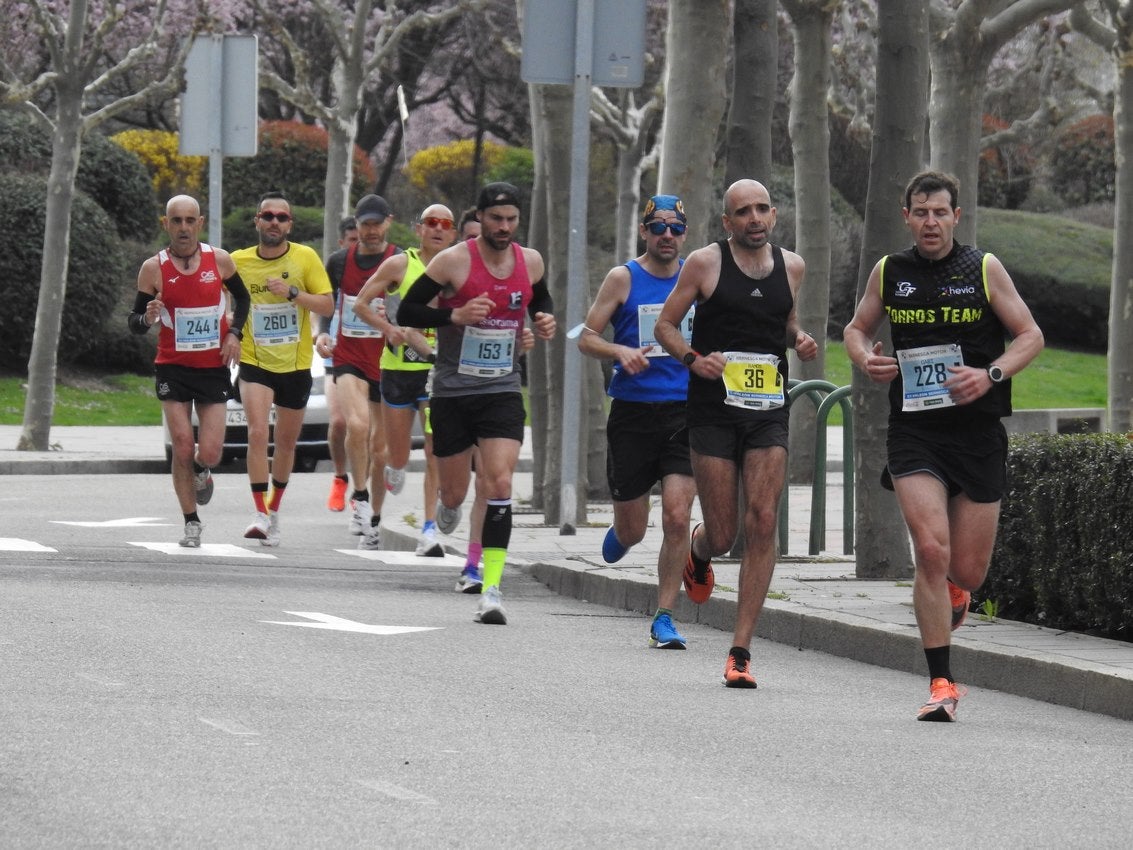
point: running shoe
(470, 580)
(961, 600)
(192, 538)
(202, 483)
(491, 610)
(612, 549)
(447, 518)
(663, 635)
(258, 530)
(395, 479)
(336, 501)
(737, 669)
(428, 545)
(273, 538)
(698, 576)
(372, 539)
(942, 701)
(360, 519)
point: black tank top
(742, 314)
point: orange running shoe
(336, 501)
(942, 700)
(737, 669)
(698, 576)
(960, 599)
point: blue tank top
(665, 379)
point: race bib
(923, 373)
(487, 352)
(351, 325)
(196, 328)
(647, 323)
(275, 324)
(752, 381)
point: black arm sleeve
(136, 321)
(541, 301)
(415, 311)
(241, 304)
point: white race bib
(196, 328)
(487, 352)
(351, 325)
(275, 324)
(923, 373)
(647, 323)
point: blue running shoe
(470, 581)
(663, 635)
(612, 550)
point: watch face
(995, 373)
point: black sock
(739, 653)
(361, 496)
(192, 517)
(939, 665)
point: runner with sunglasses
(407, 360)
(287, 282)
(646, 434)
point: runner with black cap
(483, 287)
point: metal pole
(576, 260)
(216, 142)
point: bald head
(183, 205)
(740, 193)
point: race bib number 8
(647, 322)
(923, 373)
(752, 381)
(353, 326)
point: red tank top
(357, 344)
(193, 320)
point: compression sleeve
(136, 321)
(415, 311)
(241, 304)
(541, 301)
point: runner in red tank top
(183, 287)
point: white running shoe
(259, 528)
(491, 610)
(428, 545)
(273, 538)
(203, 486)
(372, 539)
(395, 479)
(360, 519)
(447, 518)
(192, 538)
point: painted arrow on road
(326, 621)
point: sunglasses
(657, 228)
(282, 218)
(442, 223)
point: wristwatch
(689, 359)
(996, 374)
(292, 292)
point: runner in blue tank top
(646, 434)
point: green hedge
(1064, 554)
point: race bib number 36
(923, 373)
(752, 381)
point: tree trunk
(341, 132)
(810, 144)
(65, 149)
(1120, 383)
(755, 30)
(882, 543)
(695, 100)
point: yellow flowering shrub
(170, 172)
(445, 171)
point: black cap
(498, 195)
(372, 208)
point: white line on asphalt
(395, 791)
(403, 559)
(326, 621)
(15, 544)
(207, 550)
(128, 522)
(229, 726)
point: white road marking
(395, 791)
(15, 544)
(128, 522)
(207, 550)
(229, 726)
(404, 559)
(326, 621)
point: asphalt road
(164, 698)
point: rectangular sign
(618, 42)
(222, 82)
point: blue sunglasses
(658, 227)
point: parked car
(312, 445)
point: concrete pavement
(815, 602)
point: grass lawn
(1057, 379)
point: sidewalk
(814, 603)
